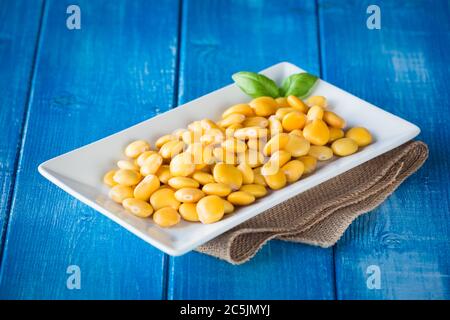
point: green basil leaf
(299, 85)
(256, 85)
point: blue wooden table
(62, 88)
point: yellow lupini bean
(166, 217)
(203, 177)
(241, 108)
(250, 133)
(335, 134)
(228, 206)
(190, 137)
(276, 181)
(164, 139)
(282, 102)
(221, 155)
(108, 178)
(208, 124)
(125, 164)
(212, 136)
(276, 161)
(134, 149)
(256, 190)
(229, 132)
(269, 168)
(179, 132)
(196, 151)
(196, 126)
(140, 160)
(317, 132)
(183, 182)
(228, 174)
(321, 153)
(206, 169)
(281, 112)
(280, 157)
(218, 189)
(255, 144)
(247, 173)
(297, 132)
(189, 194)
(188, 212)
(210, 209)
(293, 120)
(234, 118)
(127, 177)
(297, 104)
(315, 112)
(259, 178)
(166, 186)
(182, 165)
(276, 143)
(234, 127)
(297, 145)
(293, 170)
(118, 193)
(360, 135)
(205, 155)
(256, 122)
(320, 101)
(200, 154)
(333, 120)
(275, 125)
(151, 164)
(200, 166)
(344, 147)
(146, 187)
(163, 173)
(234, 145)
(264, 106)
(139, 208)
(251, 157)
(171, 149)
(241, 198)
(309, 162)
(164, 197)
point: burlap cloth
(321, 215)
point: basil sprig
(299, 85)
(258, 85)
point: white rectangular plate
(80, 171)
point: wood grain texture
(218, 39)
(18, 40)
(404, 69)
(119, 69)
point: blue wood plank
(403, 67)
(218, 39)
(114, 72)
(18, 41)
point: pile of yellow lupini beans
(201, 173)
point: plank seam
(321, 75)
(20, 140)
(175, 101)
(319, 36)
